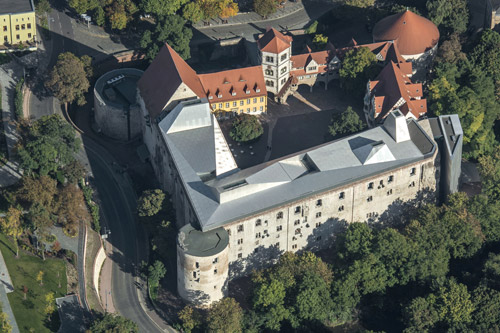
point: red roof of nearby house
(274, 41)
(234, 84)
(162, 78)
(414, 34)
(390, 86)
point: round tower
(202, 265)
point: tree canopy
(50, 144)
(451, 16)
(359, 66)
(347, 122)
(162, 7)
(246, 128)
(265, 7)
(150, 202)
(225, 315)
(111, 323)
(68, 80)
(170, 29)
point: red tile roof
(414, 34)
(163, 77)
(274, 41)
(234, 84)
(390, 86)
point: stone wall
(98, 262)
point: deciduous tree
(265, 7)
(347, 122)
(449, 15)
(225, 315)
(113, 323)
(68, 80)
(192, 12)
(245, 128)
(359, 65)
(119, 13)
(39, 277)
(161, 8)
(12, 226)
(360, 3)
(190, 318)
(150, 202)
(49, 305)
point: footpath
(8, 288)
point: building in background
(17, 25)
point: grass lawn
(23, 272)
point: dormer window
(233, 93)
(257, 90)
(247, 91)
(219, 95)
(210, 97)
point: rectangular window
(258, 223)
(5, 38)
(29, 25)
(261, 108)
(240, 228)
(227, 105)
(341, 208)
(318, 224)
(318, 214)
(262, 99)
(255, 100)
(17, 26)
(369, 199)
(257, 235)
(279, 215)
(370, 186)
(220, 105)
(283, 57)
(297, 210)
(215, 271)
(319, 203)
(242, 103)
(341, 195)
(412, 184)
(4, 28)
(390, 179)
(214, 106)
(23, 26)
(297, 222)
(389, 192)
(240, 241)
(413, 171)
(294, 246)
(248, 101)
(197, 265)
(216, 260)
(279, 228)
(18, 37)
(240, 255)
(29, 35)
(235, 104)
(382, 183)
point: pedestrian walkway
(252, 17)
(8, 288)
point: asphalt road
(125, 237)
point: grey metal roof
(247, 192)
(16, 6)
(202, 244)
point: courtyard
(300, 124)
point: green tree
(41, 190)
(12, 226)
(486, 316)
(450, 50)
(71, 208)
(111, 323)
(49, 305)
(245, 128)
(359, 65)
(491, 270)
(313, 300)
(5, 326)
(190, 319)
(119, 13)
(347, 122)
(486, 54)
(360, 3)
(192, 12)
(68, 80)
(155, 273)
(210, 8)
(225, 315)
(80, 6)
(265, 7)
(319, 41)
(170, 29)
(150, 202)
(39, 277)
(74, 171)
(43, 7)
(49, 145)
(449, 15)
(99, 16)
(161, 8)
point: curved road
(129, 242)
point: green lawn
(23, 271)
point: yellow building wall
(17, 28)
(247, 105)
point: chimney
(395, 124)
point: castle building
(393, 90)
(415, 36)
(233, 220)
(17, 25)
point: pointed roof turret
(274, 41)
